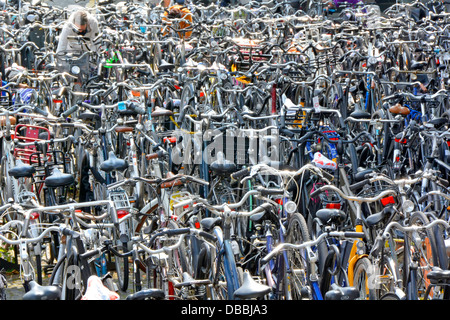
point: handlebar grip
(68, 112)
(90, 254)
(207, 235)
(265, 191)
(68, 125)
(240, 174)
(444, 182)
(40, 111)
(287, 132)
(359, 184)
(174, 232)
(327, 175)
(354, 234)
(155, 155)
(422, 198)
(137, 109)
(264, 261)
(68, 232)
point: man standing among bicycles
(80, 23)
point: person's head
(80, 22)
(175, 13)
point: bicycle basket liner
(67, 60)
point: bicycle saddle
(22, 170)
(437, 122)
(38, 292)
(59, 179)
(12, 120)
(359, 114)
(330, 215)
(156, 294)
(209, 223)
(161, 112)
(438, 276)
(417, 65)
(113, 163)
(164, 66)
(223, 167)
(378, 217)
(251, 289)
(89, 115)
(342, 293)
(399, 109)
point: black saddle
(156, 294)
(418, 65)
(251, 289)
(38, 292)
(342, 293)
(165, 66)
(376, 218)
(113, 164)
(59, 179)
(223, 167)
(437, 122)
(330, 215)
(438, 276)
(209, 223)
(22, 170)
(89, 115)
(359, 114)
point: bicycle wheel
(363, 278)
(74, 284)
(121, 263)
(334, 99)
(296, 269)
(422, 248)
(226, 276)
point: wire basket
(120, 199)
(67, 60)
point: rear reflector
(388, 200)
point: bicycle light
(290, 207)
(408, 206)
(75, 70)
(360, 247)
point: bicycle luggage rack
(29, 154)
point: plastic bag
(97, 291)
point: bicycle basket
(67, 60)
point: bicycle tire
(297, 232)
(363, 277)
